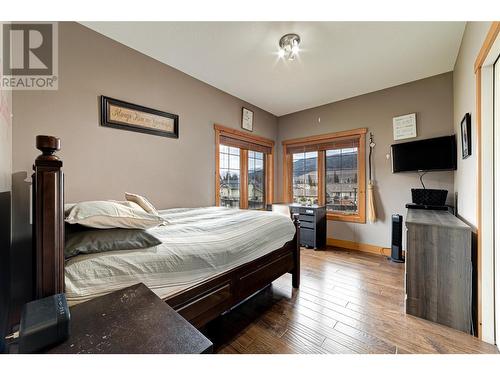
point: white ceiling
(338, 60)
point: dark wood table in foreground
(131, 320)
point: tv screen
(434, 154)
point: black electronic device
(44, 322)
(433, 154)
(428, 207)
(429, 197)
(397, 239)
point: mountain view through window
(229, 170)
(256, 180)
(342, 180)
(305, 177)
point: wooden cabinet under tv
(439, 268)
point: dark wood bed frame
(198, 304)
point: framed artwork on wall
(405, 126)
(247, 119)
(465, 130)
(127, 116)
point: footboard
(209, 299)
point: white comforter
(196, 244)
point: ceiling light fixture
(289, 46)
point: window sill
(347, 218)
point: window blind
(330, 144)
(244, 145)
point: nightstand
(131, 320)
(312, 225)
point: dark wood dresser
(439, 268)
(133, 320)
(312, 225)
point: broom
(372, 214)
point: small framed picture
(465, 129)
(247, 119)
(404, 127)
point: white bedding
(196, 244)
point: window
(305, 177)
(342, 180)
(229, 174)
(256, 180)
(244, 169)
(327, 170)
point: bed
(198, 243)
(209, 260)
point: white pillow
(282, 209)
(109, 214)
(141, 201)
(69, 206)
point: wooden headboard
(48, 218)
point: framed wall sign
(404, 126)
(465, 130)
(127, 116)
(247, 119)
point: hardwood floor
(348, 302)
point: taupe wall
(5, 140)
(103, 163)
(430, 98)
(464, 92)
(464, 97)
(5, 207)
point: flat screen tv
(433, 154)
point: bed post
(296, 253)
(48, 218)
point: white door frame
(489, 172)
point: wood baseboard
(351, 245)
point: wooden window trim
(321, 177)
(269, 177)
(223, 131)
(243, 179)
(321, 139)
(238, 134)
